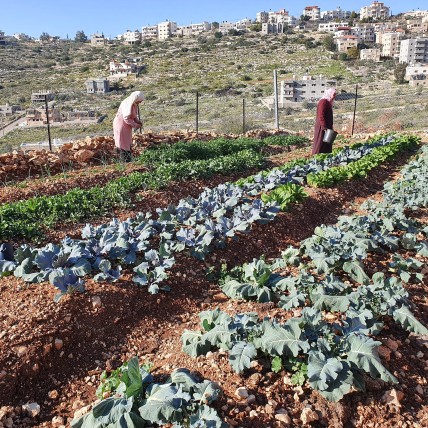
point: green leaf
(276, 364)
(283, 340)
(195, 343)
(405, 317)
(355, 270)
(241, 355)
(362, 352)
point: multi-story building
(344, 43)
(338, 13)
(97, 86)
(193, 29)
(41, 96)
(131, 37)
(8, 110)
(365, 33)
(2, 38)
(414, 51)
(372, 54)
(226, 26)
(308, 88)
(415, 70)
(418, 80)
(416, 13)
(313, 12)
(125, 68)
(149, 32)
(262, 17)
(416, 25)
(390, 42)
(98, 39)
(37, 116)
(377, 10)
(243, 24)
(331, 27)
(166, 29)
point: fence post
(355, 109)
(243, 115)
(47, 120)
(197, 112)
(275, 91)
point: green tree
(215, 25)
(256, 27)
(44, 37)
(328, 42)
(353, 53)
(80, 37)
(400, 72)
(218, 35)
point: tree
(256, 27)
(328, 42)
(80, 37)
(400, 72)
(218, 35)
(44, 37)
(215, 25)
(353, 53)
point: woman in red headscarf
(324, 120)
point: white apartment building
(243, 24)
(226, 26)
(390, 42)
(377, 10)
(98, 39)
(416, 14)
(414, 51)
(416, 69)
(262, 17)
(372, 54)
(417, 25)
(338, 13)
(193, 29)
(313, 12)
(149, 32)
(331, 27)
(308, 88)
(131, 37)
(123, 69)
(365, 33)
(166, 29)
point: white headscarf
(329, 94)
(126, 104)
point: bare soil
(132, 322)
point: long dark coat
(324, 120)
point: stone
(32, 409)
(21, 351)
(393, 397)
(96, 302)
(253, 414)
(251, 399)
(392, 344)
(81, 412)
(53, 394)
(2, 375)
(8, 423)
(241, 392)
(84, 155)
(420, 355)
(284, 418)
(419, 390)
(308, 415)
(57, 421)
(58, 344)
(385, 353)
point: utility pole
(355, 109)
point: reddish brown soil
(132, 322)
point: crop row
(197, 225)
(332, 356)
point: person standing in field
(324, 121)
(126, 119)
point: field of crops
(220, 283)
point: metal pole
(197, 112)
(47, 120)
(355, 109)
(243, 115)
(275, 89)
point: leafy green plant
(285, 195)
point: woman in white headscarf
(324, 121)
(126, 119)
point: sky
(111, 17)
